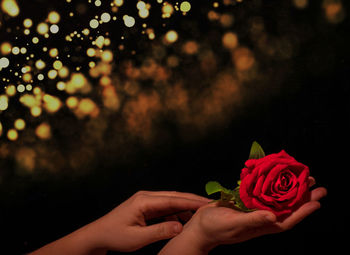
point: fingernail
(270, 217)
(177, 228)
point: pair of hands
(126, 227)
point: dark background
(306, 115)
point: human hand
(213, 225)
(125, 228)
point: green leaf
(256, 151)
(238, 202)
(213, 187)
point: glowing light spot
(86, 107)
(167, 10)
(12, 134)
(243, 59)
(185, 6)
(27, 23)
(29, 87)
(21, 88)
(98, 3)
(3, 102)
(100, 41)
(72, 102)
(20, 124)
(42, 28)
(118, 2)
(51, 104)
(171, 36)
(57, 65)
(141, 5)
(190, 47)
(40, 77)
(27, 77)
(143, 13)
(94, 23)
(54, 17)
(4, 62)
(53, 52)
(43, 131)
(129, 21)
(23, 50)
(39, 64)
(54, 29)
(230, 40)
(15, 50)
(35, 111)
(105, 17)
(10, 7)
(107, 56)
(61, 85)
(11, 90)
(52, 74)
(35, 40)
(63, 72)
(25, 69)
(5, 48)
(91, 52)
(301, 4)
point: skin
(212, 225)
(127, 227)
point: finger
(318, 193)
(297, 216)
(157, 232)
(177, 194)
(312, 181)
(171, 218)
(157, 206)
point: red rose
(276, 182)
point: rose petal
(303, 187)
(271, 177)
(258, 186)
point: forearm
(186, 243)
(80, 242)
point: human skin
(213, 225)
(125, 228)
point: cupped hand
(126, 227)
(214, 224)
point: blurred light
(185, 6)
(20, 124)
(171, 36)
(10, 7)
(129, 21)
(54, 17)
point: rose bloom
(276, 182)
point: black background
(307, 116)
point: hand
(125, 228)
(213, 225)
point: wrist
(188, 242)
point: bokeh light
(82, 79)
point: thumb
(257, 219)
(161, 231)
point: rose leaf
(214, 187)
(256, 151)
